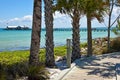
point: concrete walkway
(100, 67)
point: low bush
(38, 73)
(83, 45)
(115, 44)
(14, 64)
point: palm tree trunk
(109, 24)
(89, 36)
(50, 62)
(35, 37)
(75, 36)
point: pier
(17, 28)
(81, 29)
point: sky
(19, 12)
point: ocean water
(21, 39)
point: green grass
(58, 51)
(11, 57)
(15, 63)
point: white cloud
(61, 20)
(58, 15)
(24, 18)
(27, 18)
(14, 19)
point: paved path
(100, 67)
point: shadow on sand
(97, 65)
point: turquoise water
(20, 39)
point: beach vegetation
(38, 73)
(83, 45)
(115, 44)
(13, 64)
(98, 50)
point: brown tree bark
(35, 37)
(75, 36)
(89, 36)
(50, 62)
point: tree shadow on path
(102, 65)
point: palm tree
(92, 9)
(50, 62)
(35, 37)
(73, 9)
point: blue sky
(19, 12)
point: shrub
(115, 44)
(38, 73)
(14, 64)
(104, 50)
(99, 50)
(2, 73)
(83, 45)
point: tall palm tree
(50, 62)
(73, 9)
(35, 37)
(92, 9)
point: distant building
(17, 28)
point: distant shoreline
(66, 29)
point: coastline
(12, 40)
(28, 48)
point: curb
(64, 72)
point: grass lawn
(14, 64)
